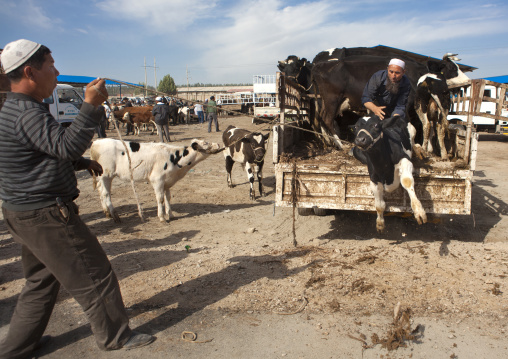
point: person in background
(107, 109)
(198, 110)
(211, 111)
(160, 113)
(38, 187)
(387, 91)
(101, 127)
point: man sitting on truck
(387, 91)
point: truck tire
(305, 211)
(320, 211)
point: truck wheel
(305, 211)
(320, 211)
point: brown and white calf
(248, 149)
(161, 164)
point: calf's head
(369, 130)
(258, 143)
(449, 69)
(205, 147)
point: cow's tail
(438, 103)
(93, 157)
(94, 181)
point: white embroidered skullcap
(16, 53)
(398, 62)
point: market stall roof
(500, 79)
(84, 80)
(422, 58)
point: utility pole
(155, 75)
(187, 73)
(146, 83)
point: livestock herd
(336, 78)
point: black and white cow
(247, 148)
(161, 164)
(432, 100)
(386, 147)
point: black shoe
(138, 340)
(45, 339)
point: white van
(481, 123)
(64, 104)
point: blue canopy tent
(81, 81)
(500, 79)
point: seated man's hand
(376, 110)
(95, 168)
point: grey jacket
(38, 156)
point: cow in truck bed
(386, 147)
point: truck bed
(336, 180)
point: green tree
(167, 85)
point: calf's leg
(250, 175)
(104, 188)
(441, 127)
(167, 196)
(426, 128)
(378, 191)
(407, 181)
(158, 188)
(259, 173)
(229, 168)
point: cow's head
(258, 143)
(369, 130)
(205, 147)
(449, 69)
(296, 68)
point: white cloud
(264, 31)
(29, 14)
(161, 16)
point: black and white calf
(247, 148)
(432, 103)
(161, 164)
(432, 100)
(386, 147)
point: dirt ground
(226, 269)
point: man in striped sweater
(38, 185)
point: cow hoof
(117, 219)
(421, 218)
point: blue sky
(224, 41)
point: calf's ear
(195, 146)
(387, 122)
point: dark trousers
(58, 250)
(213, 117)
(163, 132)
(201, 117)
